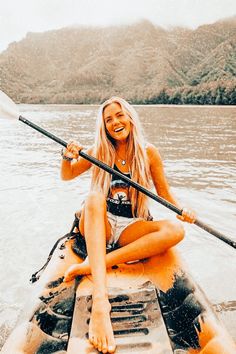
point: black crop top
(118, 202)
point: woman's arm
(161, 184)
(72, 169)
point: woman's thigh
(141, 228)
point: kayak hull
(156, 308)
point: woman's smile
(118, 129)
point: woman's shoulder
(152, 153)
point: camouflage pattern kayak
(156, 308)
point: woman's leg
(140, 240)
(144, 239)
(95, 227)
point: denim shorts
(118, 225)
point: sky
(17, 17)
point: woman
(116, 214)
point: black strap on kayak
(69, 236)
(78, 247)
(36, 275)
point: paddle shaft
(134, 184)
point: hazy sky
(17, 17)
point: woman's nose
(115, 120)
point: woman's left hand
(187, 215)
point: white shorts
(118, 225)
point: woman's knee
(95, 201)
(174, 230)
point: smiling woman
(118, 218)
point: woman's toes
(111, 348)
(99, 347)
(68, 277)
(104, 345)
(71, 272)
(93, 341)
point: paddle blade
(8, 108)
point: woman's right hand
(72, 150)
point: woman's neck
(120, 147)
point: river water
(197, 145)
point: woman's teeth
(119, 129)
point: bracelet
(65, 157)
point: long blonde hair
(104, 150)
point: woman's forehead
(111, 108)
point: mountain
(89, 64)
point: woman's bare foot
(100, 329)
(77, 269)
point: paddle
(8, 109)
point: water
(198, 148)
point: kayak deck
(136, 319)
(156, 308)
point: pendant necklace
(122, 161)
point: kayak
(156, 308)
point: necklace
(123, 161)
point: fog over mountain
(89, 64)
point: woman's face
(117, 122)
